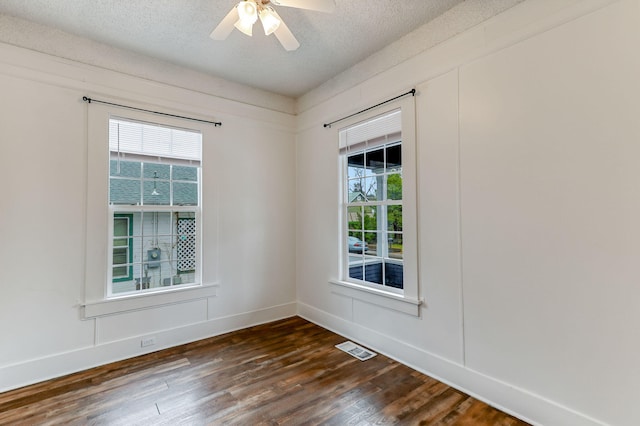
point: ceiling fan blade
(320, 5)
(225, 26)
(285, 37)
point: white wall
(44, 216)
(52, 41)
(529, 241)
(528, 198)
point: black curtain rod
(411, 92)
(89, 100)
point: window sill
(145, 301)
(373, 296)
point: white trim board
(520, 403)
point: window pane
(394, 218)
(155, 224)
(137, 249)
(151, 170)
(156, 192)
(124, 286)
(356, 243)
(370, 188)
(355, 166)
(138, 270)
(372, 245)
(375, 162)
(144, 281)
(166, 243)
(124, 191)
(356, 264)
(373, 272)
(394, 187)
(185, 278)
(394, 274)
(354, 217)
(355, 272)
(185, 194)
(164, 275)
(356, 190)
(394, 158)
(185, 173)
(396, 248)
(152, 254)
(127, 168)
(371, 217)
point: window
(154, 206)
(372, 179)
(122, 247)
(378, 260)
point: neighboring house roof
(126, 190)
(357, 196)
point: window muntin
(154, 180)
(372, 204)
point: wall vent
(355, 350)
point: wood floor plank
(283, 373)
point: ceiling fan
(246, 13)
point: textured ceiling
(177, 31)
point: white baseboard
(525, 405)
(518, 402)
(37, 370)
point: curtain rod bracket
(411, 92)
(89, 100)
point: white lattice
(186, 245)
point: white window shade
(373, 132)
(137, 139)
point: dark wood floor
(286, 372)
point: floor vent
(357, 351)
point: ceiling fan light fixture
(245, 13)
(245, 27)
(248, 12)
(270, 21)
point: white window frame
(408, 299)
(99, 232)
